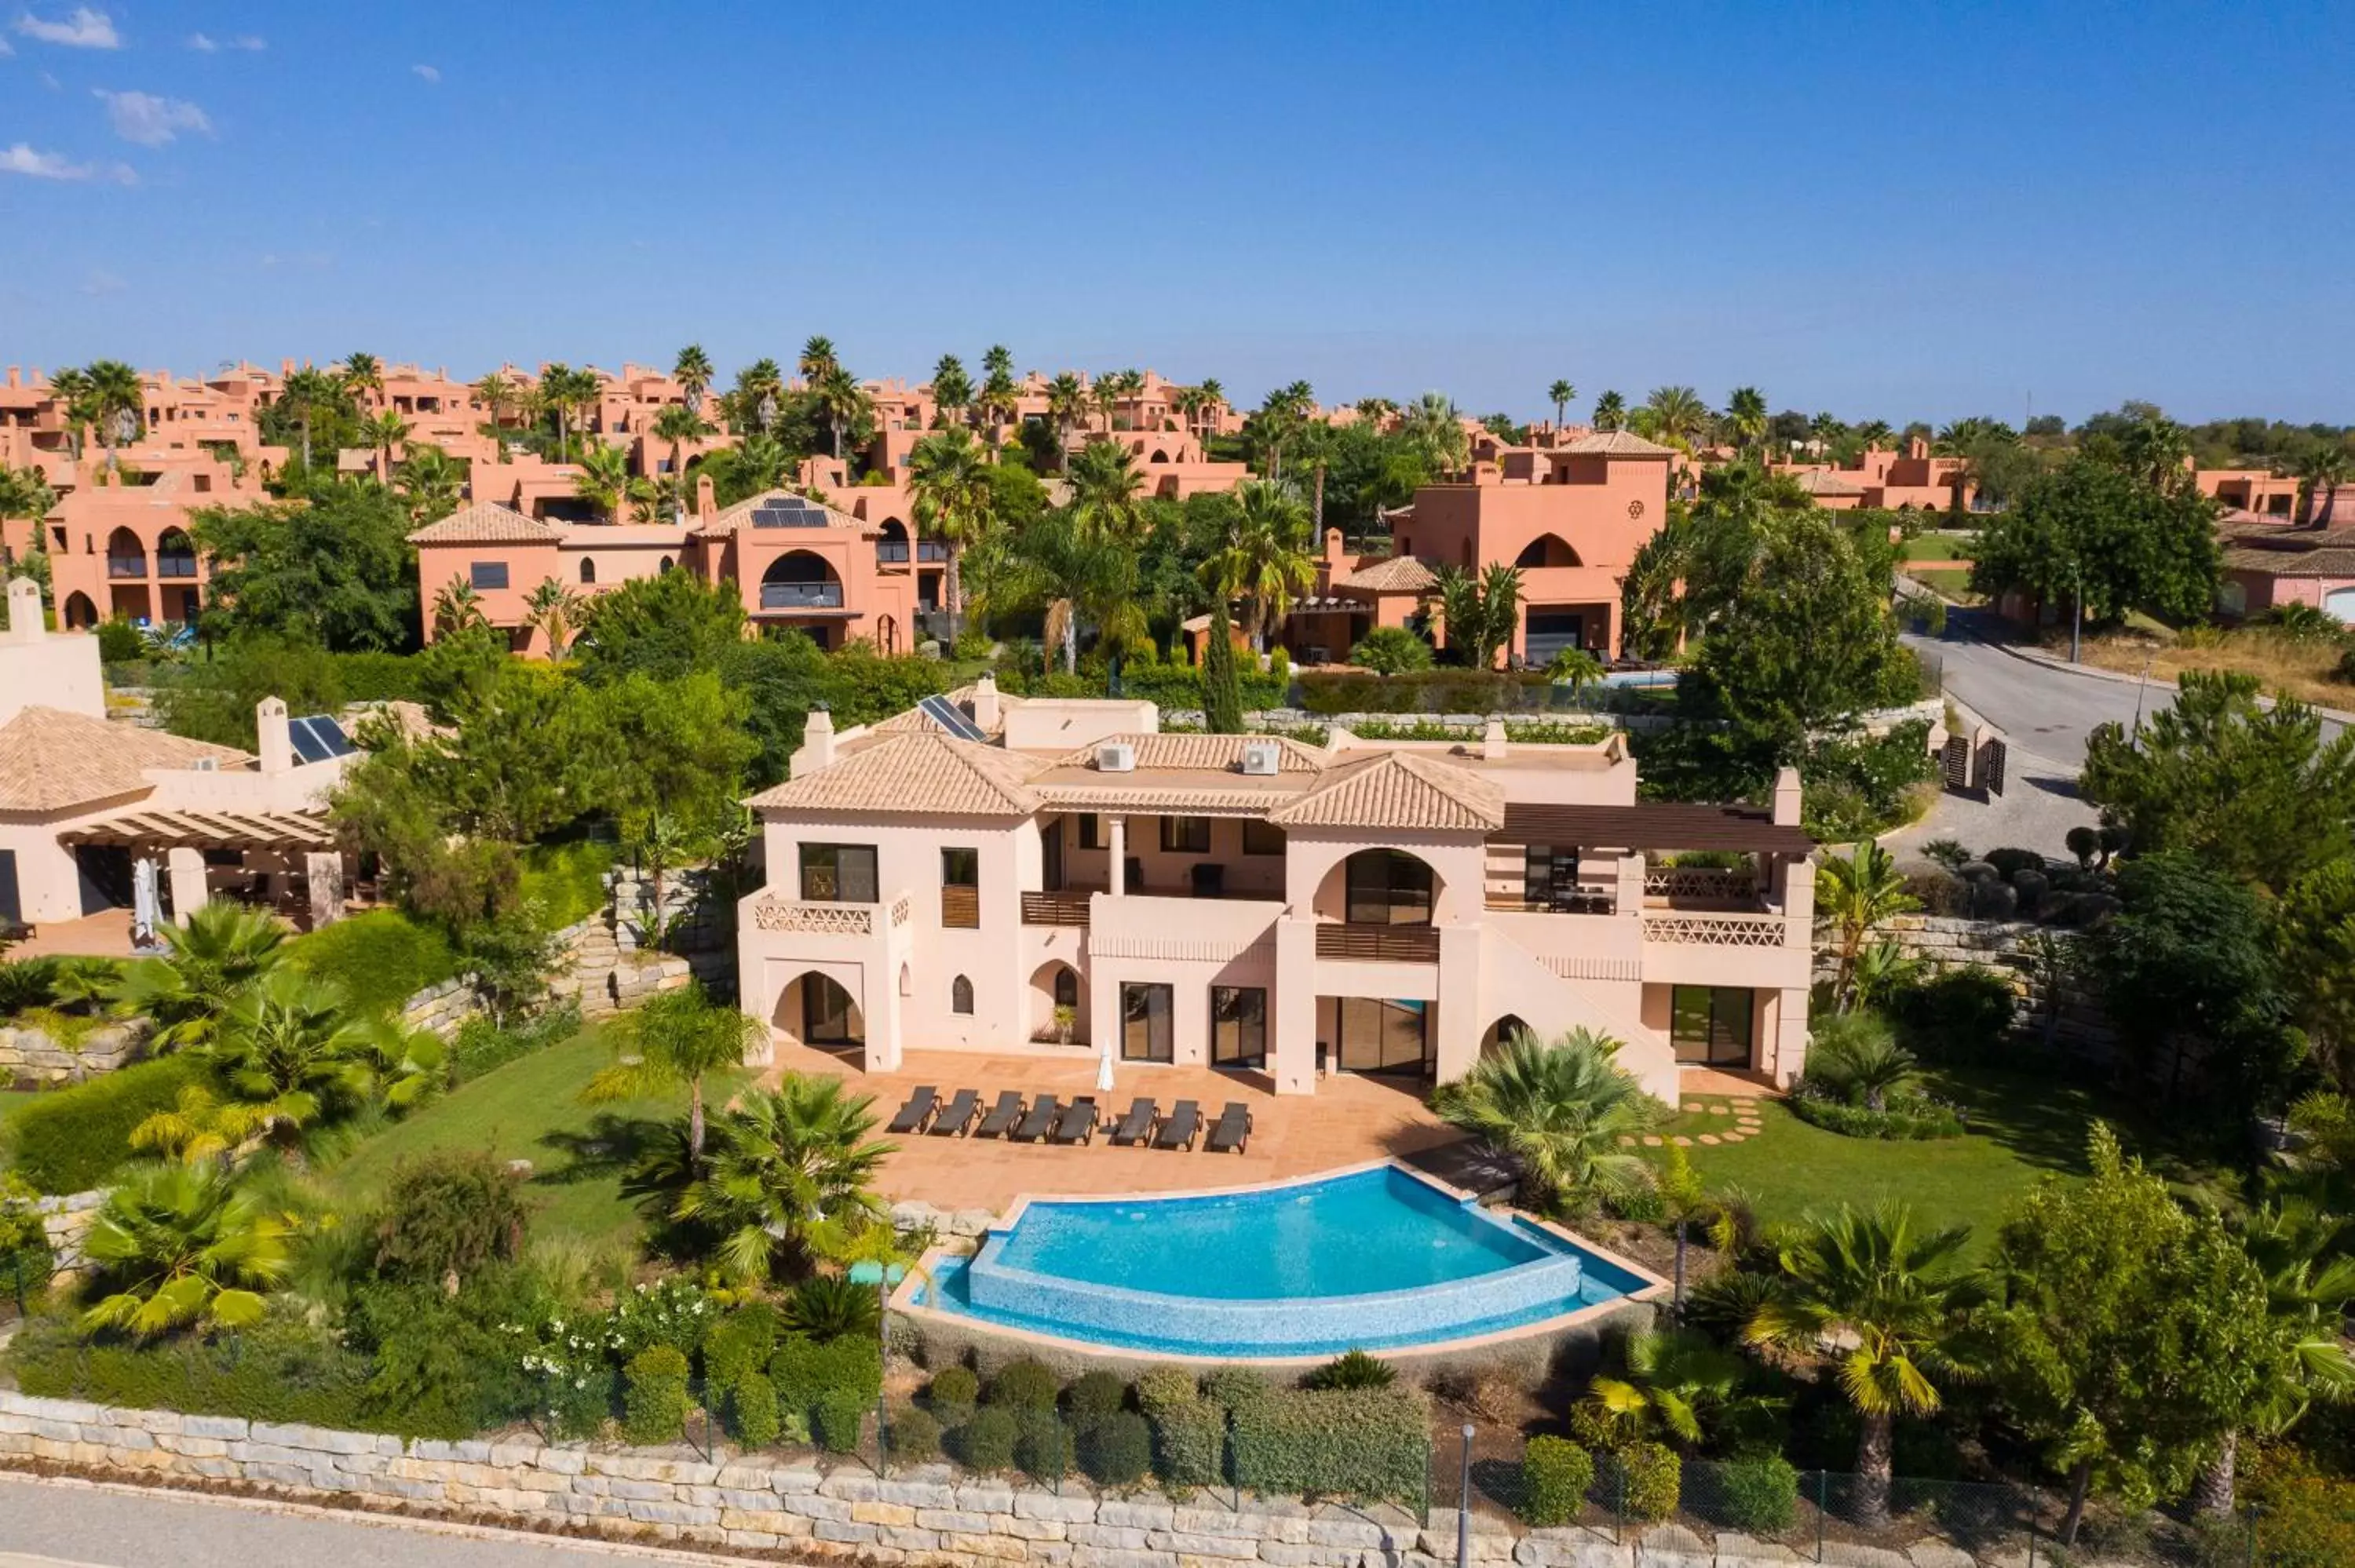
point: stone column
(186, 868)
(323, 873)
(1118, 881)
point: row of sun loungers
(1046, 1119)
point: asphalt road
(2046, 712)
(50, 1525)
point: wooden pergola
(188, 829)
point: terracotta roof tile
(1399, 789)
(1208, 753)
(738, 515)
(1615, 443)
(921, 773)
(1821, 481)
(486, 523)
(917, 721)
(1400, 574)
(52, 759)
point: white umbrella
(144, 906)
(1104, 1070)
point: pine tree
(1222, 697)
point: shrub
(70, 1140)
(1962, 1015)
(447, 1214)
(482, 1045)
(1023, 1385)
(827, 1307)
(752, 1408)
(835, 1418)
(1907, 1119)
(953, 1388)
(1370, 1443)
(1391, 651)
(118, 642)
(1190, 1443)
(381, 958)
(1758, 1495)
(1555, 1477)
(1232, 1388)
(738, 1345)
(1117, 1451)
(915, 1435)
(1095, 1396)
(282, 1370)
(674, 1310)
(27, 983)
(805, 1372)
(1042, 1445)
(1647, 1477)
(2308, 1518)
(985, 1442)
(1159, 1388)
(1352, 1369)
(654, 1396)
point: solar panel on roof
(793, 514)
(950, 717)
(318, 738)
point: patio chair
(1002, 1117)
(910, 1117)
(1179, 1128)
(957, 1114)
(1079, 1122)
(1233, 1132)
(1137, 1125)
(1040, 1121)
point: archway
(1548, 550)
(1501, 1032)
(125, 556)
(891, 546)
(1381, 887)
(815, 1009)
(799, 580)
(1056, 987)
(78, 613)
(588, 568)
(175, 555)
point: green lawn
(1954, 583)
(2023, 1127)
(1937, 548)
(531, 1109)
(11, 1098)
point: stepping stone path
(1741, 1113)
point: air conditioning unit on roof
(1261, 758)
(1115, 757)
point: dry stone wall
(33, 1058)
(1947, 941)
(925, 1516)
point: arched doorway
(891, 546)
(816, 1010)
(1386, 888)
(799, 580)
(1058, 1005)
(78, 613)
(1501, 1032)
(125, 556)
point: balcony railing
(931, 550)
(961, 906)
(1382, 944)
(1566, 901)
(1055, 909)
(126, 566)
(801, 596)
(1717, 930)
(176, 565)
(1700, 885)
(892, 553)
(821, 918)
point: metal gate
(1956, 759)
(1993, 755)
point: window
(1262, 838)
(1710, 1024)
(961, 887)
(1092, 834)
(825, 1012)
(487, 574)
(1371, 1035)
(1144, 1034)
(1238, 1026)
(961, 995)
(838, 874)
(1066, 988)
(1186, 835)
(588, 569)
(1387, 889)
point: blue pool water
(1374, 1259)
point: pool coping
(902, 1299)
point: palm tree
(556, 610)
(604, 479)
(1214, 403)
(208, 963)
(1067, 404)
(677, 1039)
(846, 404)
(1574, 668)
(1560, 395)
(1000, 399)
(692, 371)
(181, 1245)
(360, 373)
(783, 1170)
(291, 1051)
(1610, 412)
(70, 388)
(430, 482)
(115, 390)
(1856, 1056)
(949, 490)
(1074, 573)
(562, 392)
(817, 360)
(1673, 415)
(1500, 609)
(1266, 557)
(659, 841)
(952, 389)
(1559, 1108)
(679, 425)
(1745, 412)
(1892, 1297)
(384, 432)
(1374, 410)
(758, 386)
(1673, 1382)
(457, 607)
(1106, 492)
(1433, 431)
(1854, 897)
(2321, 472)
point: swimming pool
(1377, 1258)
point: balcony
(931, 550)
(176, 565)
(801, 596)
(1700, 887)
(816, 917)
(1584, 899)
(1718, 931)
(1055, 909)
(892, 553)
(1379, 944)
(126, 566)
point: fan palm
(2301, 1250)
(1894, 1296)
(677, 1039)
(1610, 412)
(498, 395)
(114, 390)
(999, 397)
(1106, 492)
(70, 388)
(457, 609)
(678, 425)
(1853, 897)
(1266, 557)
(1574, 668)
(817, 360)
(384, 432)
(1560, 395)
(206, 963)
(1073, 574)
(950, 493)
(181, 1245)
(290, 1052)
(1675, 415)
(844, 403)
(2321, 472)
(692, 371)
(1855, 1056)
(783, 1170)
(1559, 1108)
(1433, 431)
(1745, 412)
(556, 610)
(361, 373)
(1673, 1383)
(429, 482)
(604, 479)
(758, 386)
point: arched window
(961, 995)
(1387, 887)
(1066, 988)
(667, 563)
(588, 569)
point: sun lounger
(1002, 1117)
(910, 1117)
(1040, 1121)
(1179, 1128)
(1137, 1125)
(957, 1114)
(1079, 1122)
(1233, 1132)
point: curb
(2117, 677)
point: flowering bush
(573, 1357)
(674, 1310)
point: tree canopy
(2099, 526)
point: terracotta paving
(1349, 1121)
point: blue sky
(1891, 211)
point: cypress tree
(1222, 697)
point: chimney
(1492, 740)
(25, 611)
(707, 504)
(1333, 549)
(817, 743)
(984, 702)
(276, 735)
(15, 376)
(1786, 798)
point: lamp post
(1463, 1506)
(2077, 621)
(883, 1276)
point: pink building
(1890, 480)
(2268, 565)
(1056, 876)
(120, 546)
(2257, 490)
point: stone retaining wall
(603, 972)
(1947, 940)
(923, 1516)
(32, 1058)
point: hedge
(1647, 1477)
(1758, 1495)
(1433, 691)
(1369, 1443)
(1909, 1117)
(653, 1401)
(280, 1371)
(739, 1344)
(70, 1140)
(381, 958)
(835, 1418)
(1190, 1443)
(753, 1407)
(806, 1371)
(1117, 1451)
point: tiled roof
(1399, 789)
(486, 523)
(921, 773)
(917, 721)
(2333, 561)
(1400, 573)
(1162, 796)
(736, 517)
(52, 759)
(1821, 481)
(1221, 753)
(1615, 443)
